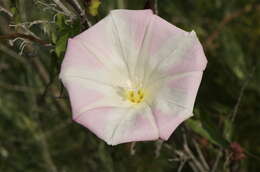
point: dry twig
(241, 93)
(215, 166)
(201, 156)
(64, 9)
(28, 37)
(153, 5)
(227, 19)
(192, 156)
(158, 144)
(9, 13)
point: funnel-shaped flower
(133, 76)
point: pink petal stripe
(81, 96)
(76, 55)
(170, 120)
(118, 125)
(175, 103)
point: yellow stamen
(135, 96)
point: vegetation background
(36, 130)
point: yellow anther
(133, 100)
(131, 93)
(135, 96)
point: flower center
(135, 95)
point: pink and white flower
(133, 76)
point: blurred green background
(36, 130)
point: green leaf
(13, 10)
(60, 20)
(54, 37)
(93, 7)
(207, 131)
(228, 129)
(61, 45)
(196, 126)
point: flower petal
(161, 39)
(169, 50)
(80, 62)
(187, 57)
(86, 94)
(120, 125)
(98, 40)
(113, 44)
(169, 117)
(126, 44)
(130, 31)
(115, 40)
(174, 103)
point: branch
(44, 75)
(192, 156)
(6, 11)
(16, 87)
(30, 24)
(227, 19)
(49, 6)
(182, 158)
(194, 159)
(28, 37)
(234, 114)
(75, 4)
(66, 11)
(81, 12)
(219, 155)
(158, 144)
(156, 7)
(46, 153)
(132, 148)
(182, 165)
(39, 136)
(202, 158)
(13, 54)
(153, 5)
(193, 166)
(57, 128)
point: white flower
(133, 76)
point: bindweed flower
(133, 76)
